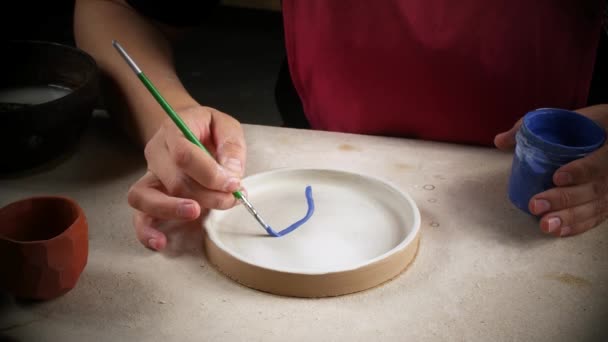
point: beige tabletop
(484, 271)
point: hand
(579, 201)
(182, 179)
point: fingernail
(554, 223)
(565, 231)
(232, 184)
(563, 178)
(234, 165)
(186, 209)
(153, 244)
(540, 206)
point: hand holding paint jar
(547, 140)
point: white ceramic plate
(359, 221)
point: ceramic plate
(363, 232)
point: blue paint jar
(547, 139)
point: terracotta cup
(43, 246)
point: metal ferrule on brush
(253, 212)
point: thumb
(506, 140)
(228, 136)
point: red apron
(457, 71)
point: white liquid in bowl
(32, 95)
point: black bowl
(47, 94)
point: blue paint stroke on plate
(291, 228)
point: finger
(215, 199)
(583, 170)
(596, 113)
(506, 140)
(146, 232)
(171, 178)
(580, 227)
(565, 197)
(147, 198)
(206, 198)
(565, 219)
(159, 163)
(176, 183)
(584, 226)
(230, 141)
(199, 165)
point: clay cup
(43, 247)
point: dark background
(230, 62)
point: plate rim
(409, 238)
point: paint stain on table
(403, 166)
(348, 147)
(569, 279)
(285, 140)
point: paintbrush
(186, 131)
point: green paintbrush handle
(172, 113)
(176, 119)
(184, 128)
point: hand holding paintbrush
(177, 120)
(182, 181)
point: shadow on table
(109, 154)
(103, 153)
(8, 303)
(118, 298)
(6, 338)
(183, 238)
(10, 327)
(484, 200)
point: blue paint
(291, 228)
(547, 139)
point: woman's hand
(579, 201)
(182, 179)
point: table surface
(484, 270)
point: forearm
(96, 24)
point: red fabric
(457, 71)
